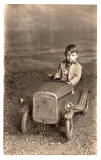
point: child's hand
(49, 75)
(69, 83)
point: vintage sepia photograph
(50, 79)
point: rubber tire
(86, 108)
(69, 129)
(26, 122)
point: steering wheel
(56, 80)
(60, 80)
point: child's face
(71, 56)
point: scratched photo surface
(35, 38)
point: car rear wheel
(69, 129)
(26, 122)
(85, 108)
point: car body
(55, 100)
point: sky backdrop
(51, 17)
(40, 33)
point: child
(70, 69)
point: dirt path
(51, 141)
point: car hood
(59, 89)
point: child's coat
(70, 73)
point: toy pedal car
(53, 101)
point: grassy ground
(52, 141)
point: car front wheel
(69, 128)
(26, 122)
